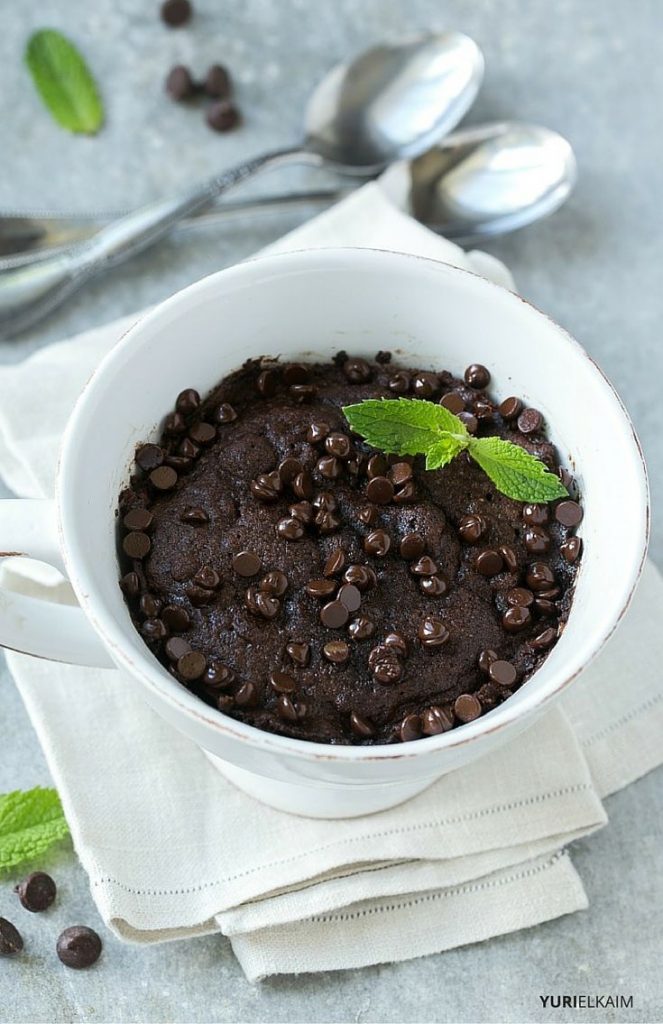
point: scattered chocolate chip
(130, 584)
(545, 608)
(361, 628)
(149, 457)
(217, 82)
(176, 619)
(399, 383)
(510, 408)
(424, 385)
(536, 540)
(361, 726)
(489, 563)
(387, 670)
(199, 596)
(11, 940)
(191, 665)
(467, 707)
(286, 709)
(377, 466)
(349, 596)
(377, 543)
(396, 642)
(281, 682)
(470, 421)
(179, 83)
(321, 588)
(338, 445)
(302, 485)
(225, 414)
(329, 467)
(150, 606)
(433, 586)
(218, 676)
(410, 728)
(299, 653)
(202, 433)
(302, 392)
(194, 516)
(36, 892)
(368, 515)
(503, 673)
(188, 449)
(136, 545)
(510, 557)
(361, 576)
(187, 401)
(571, 549)
(324, 501)
(78, 946)
(472, 528)
(412, 546)
(334, 615)
(406, 494)
(174, 424)
(302, 510)
(290, 529)
(222, 116)
(357, 371)
(433, 633)
(336, 651)
(274, 582)
(483, 410)
(260, 603)
(568, 513)
(424, 566)
(516, 618)
(246, 563)
(519, 596)
(327, 522)
(335, 563)
(380, 490)
(164, 478)
(477, 376)
(539, 576)
(317, 432)
(544, 639)
(436, 720)
(453, 402)
(530, 421)
(536, 515)
(138, 519)
(176, 648)
(486, 658)
(400, 474)
(247, 695)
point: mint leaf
(405, 426)
(514, 471)
(30, 822)
(64, 82)
(442, 452)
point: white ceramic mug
(307, 306)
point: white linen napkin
(174, 850)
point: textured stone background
(592, 70)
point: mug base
(321, 800)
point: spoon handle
(27, 293)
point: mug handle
(30, 625)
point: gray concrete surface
(589, 68)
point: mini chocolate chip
(188, 449)
(136, 545)
(377, 466)
(433, 586)
(217, 82)
(470, 421)
(286, 709)
(400, 473)
(299, 653)
(335, 562)
(225, 414)
(266, 487)
(361, 628)
(187, 401)
(519, 596)
(302, 392)
(432, 632)
(424, 566)
(302, 510)
(36, 892)
(329, 467)
(130, 584)
(175, 13)
(357, 371)
(174, 425)
(380, 490)
(164, 478)
(424, 385)
(453, 402)
(349, 596)
(264, 604)
(336, 651)
(571, 549)
(516, 618)
(11, 940)
(361, 576)
(295, 373)
(290, 529)
(483, 410)
(377, 543)
(266, 383)
(150, 606)
(361, 726)
(191, 665)
(510, 408)
(179, 463)
(536, 515)
(149, 457)
(387, 670)
(545, 608)
(544, 639)
(539, 576)
(486, 658)
(536, 540)
(503, 673)
(218, 676)
(489, 563)
(467, 707)
(436, 720)
(194, 516)
(550, 593)
(338, 444)
(202, 433)
(78, 947)
(529, 421)
(324, 501)
(412, 546)
(317, 431)
(334, 615)
(472, 528)
(274, 582)
(176, 619)
(281, 682)
(321, 588)
(199, 596)
(247, 695)
(208, 578)
(368, 515)
(302, 485)
(406, 494)
(246, 563)
(327, 522)
(510, 557)
(568, 513)
(477, 376)
(138, 519)
(410, 728)
(176, 647)
(399, 383)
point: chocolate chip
(223, 116)
(299, 653)
(329, 467)
(335, 562)
(503, 673)
(246, 563)
(302, 485)
(302, 392)
(361, 726)
(377, 543)
(138, 519)
(263, 604)
(486, 659)
(377, 466)
(516, 618)
(336, 651)
(290, 529)
(410, 728)
(317, 432)
(187, 401)
(400, 473)
(218, 676)
(321, 588)
(361, 628)
(130, 584)
(453, 402)
(286, 709)
(489, 563)
(179, 463)
(519, 596)
(412, 546)
(399, 383)
(150, 605)
(324, 501)
(267, 487)
(436, 720)
(380, 490)
(477, 376)
(396, 642)
(433, 586)
(191, 665)
(368, 515)
(302, 510)
(338, 445)
(225, 413)
(483, 410)
(188, 449)
(274, 582)
(175, 13)
(536, 540)
(406, 494)
(334, 615)
(530, 421)
(11, 940)
(136, 545)
(174, 424)
(545, 608)
(388, 670)
(247, 695)
(202, 433)
(357, 371)
(194, 516)
(36, 892)
(539, 576)
(510, 408)
(424, 385)
(154, 629)
(424, 566)
(327, 522)
(281, 682)
(217, 82)
(199, 596)
(432, 632)
(164, 478)
(470, 421)
(467, 707)
(361, 576)
(149, 457)
(490, 696)
(266, 383)
(472, 528)
(176, 647)
(568, 513)
(536, 515)
(544, 639)
(509, 556)
(571, 549)
(349, 596)
(225, 702)
(78, 946)
(175, 618)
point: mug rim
(151, 673)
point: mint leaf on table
(30, 822)
(409, 426)
(64, 82)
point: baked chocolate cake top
(303, 582)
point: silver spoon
(477, 183)
(390, 103)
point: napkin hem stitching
(628, 717)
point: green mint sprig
(64, 82)
(30, 822)
(410, 426)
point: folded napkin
(174, 850)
